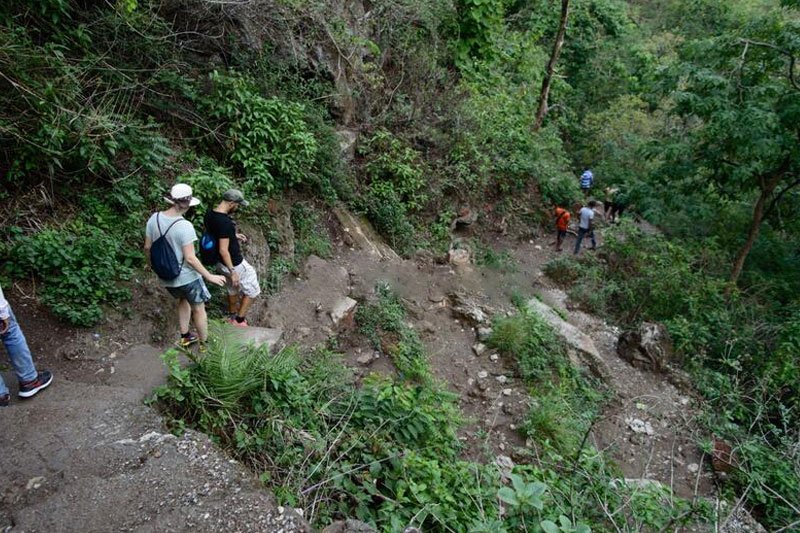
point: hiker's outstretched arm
(194, 262)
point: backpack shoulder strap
(164, 234)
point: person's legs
(249, 287)
(184, 315)
(594, 242)
(560, 234)
(244, 306)
(200, 319)
(581, 233)
(233, 304)
(18, 354)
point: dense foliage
(387, 451)
(406, 110)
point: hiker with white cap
(169, 247)
(220, 245)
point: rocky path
(90, 456)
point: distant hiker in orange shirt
(562, 223)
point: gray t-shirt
(181, 234)
(587, 214)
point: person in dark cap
(242, 281)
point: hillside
(453, 129)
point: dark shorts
(195, 292)
(561, 233)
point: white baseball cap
(181, 193)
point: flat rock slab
(270, 337)
(363, 236)
(574, 338)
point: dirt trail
(88, 455)
(494, 400)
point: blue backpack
(209, 249)
(162, 256)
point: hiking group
(170, 249)
(613, 206)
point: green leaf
(508, 496)
(549, 527)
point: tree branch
(774, 203)
(787, 53)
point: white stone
(494, 357)
(639, 426)
(693, 468)
(342, 308)
(458, 257)
(34, 483)
(501, 379)
(365, 359)
(257, 336)
(483, 374)
(479, 348)
(507, 392)
(484, 333)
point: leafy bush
(54, 122)
(563, 270)
(390, 160)
(383, 322)
(310, 233)
(396, 187)
(386, 210)
(565, 401)
(208, 182)
(532, 342)
(267, 138)
(80, 267)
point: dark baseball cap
(235, 196)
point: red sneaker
(42, 381)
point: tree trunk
(551, 66)
(768, 186)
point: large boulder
(648, 347)
(577, 341)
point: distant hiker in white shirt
(586, 226)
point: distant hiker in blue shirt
(587, 179)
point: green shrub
(488, 257)
(390, 160)
(208, 182)
(310, 233)
(80, 267)
(396, 188)
(565, 271)
(386, 210)
(385, 319)
(532, 342)
(54, 123)
(267, 138)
